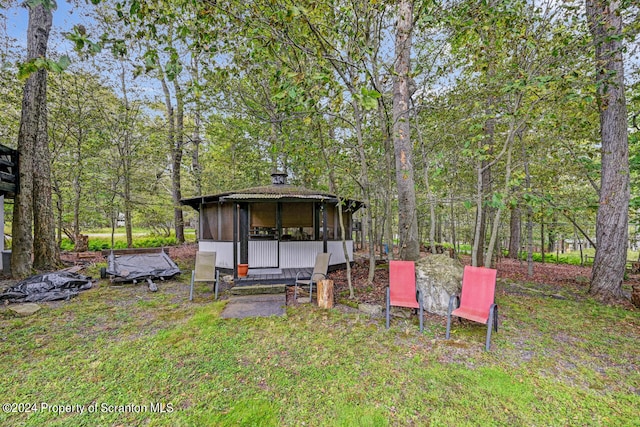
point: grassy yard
(127, 354)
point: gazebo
(274, 227)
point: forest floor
(561, 281)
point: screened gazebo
(278, 226)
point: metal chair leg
(388, 305)
(193, 276)
(215, 291)
(451, 303)
(421, 311)
(490, 322)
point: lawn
(125, 356)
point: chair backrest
(402, 284)
(205, 266)
(322, 266)
(478, 288)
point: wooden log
(325, 293)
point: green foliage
(48, 4)
(101, 243)
(27, 68)
(276, 84)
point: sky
(16, 17)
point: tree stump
(81, 243)
(635, 295)
(325, 293)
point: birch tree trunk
(407, 216)
(612, 219)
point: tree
(33, 223)
(605, 23)
(407, 218)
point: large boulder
(438, 277)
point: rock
(25, 309)
(438, 277)
(371, 309)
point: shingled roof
(273, 192)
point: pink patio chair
(477, 300)
(402, 291)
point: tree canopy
(472, 116)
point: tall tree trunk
(196, 140)
(77, 185)
(383, 117)
(177, 163)
(496, 221)
(333, 188)
(454, 239)
(407, 216)
(125, 155)
(45, 251)
(527, 186)
(431, 199)
(515, 232)
(366, 190)
(176, 158)
(542, 248)
(478, 236)
(34, 161)
(612, 219)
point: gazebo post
(324, 227)
(317, 209)
(279, 227)
(244, 233)
(235, 240)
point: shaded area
(59, 285)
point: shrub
(102, 243)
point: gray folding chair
(319, 273)
(205, 271)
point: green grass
(100, 239)
(553, 362)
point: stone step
(258, 289)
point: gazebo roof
(270, 193)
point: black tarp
(138, 267)
(47, 287)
